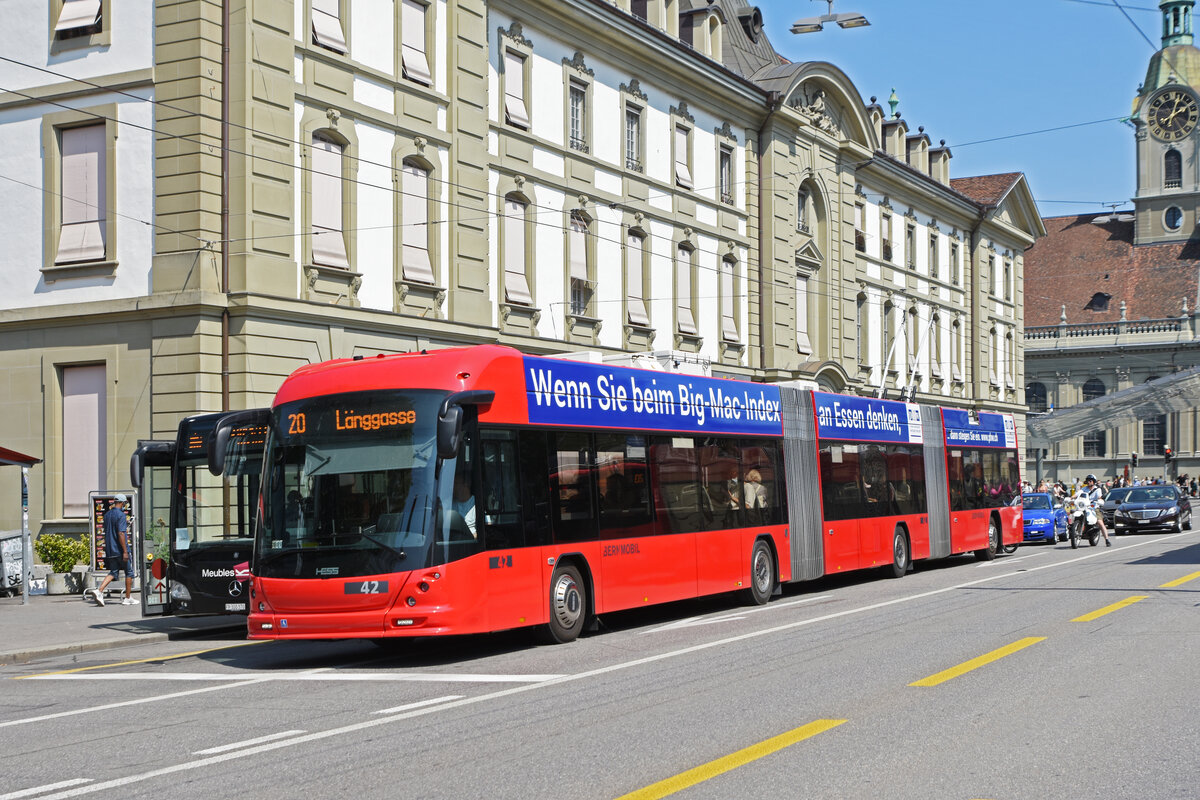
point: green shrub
(60, 552)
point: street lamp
(815, 24)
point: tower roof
(1181, 61)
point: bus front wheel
(762, 574)
(568, 605)
(993, 544)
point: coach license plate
(366, 587)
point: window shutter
(728, 323)
(416, 263)
(578, 247)
(636, 304)
(84, 411)
(416, 65)
(328, 242)
(683, 262)
(516, 286)
(84, 195)
(514, 90)
(683, 176)
(77, 14)
(327, 25)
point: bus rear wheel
(568, 605)
(993, 544)
(762, 575)
(899, 555)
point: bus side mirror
(218, 440)
(450, 418)
(449, 432)
(149, 453)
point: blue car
(1045, 519)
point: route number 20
(296, 424)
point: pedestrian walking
(117, 552)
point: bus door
(515, 503)
(150, 473)
(637, 563)
(843, 501)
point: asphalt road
(1049, 673)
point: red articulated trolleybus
(479, 489)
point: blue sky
(970, 70)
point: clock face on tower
(1173, 115)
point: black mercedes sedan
(1152, 508)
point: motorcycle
(1083, 523)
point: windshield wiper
(398, 553)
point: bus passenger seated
(754, 491)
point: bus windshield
(200, 514)
(350, 486)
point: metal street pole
(26, 546)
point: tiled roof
(1079, 258)
(987, 190)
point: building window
(993, 276)
(581, 284)
(954, 264)
(934, 270)
(803, 343)
(1095, 442)
(861, 315)
(633, 138)
(577, 121)
(1172, 169)
(1099, 302)
(413, 55)
(1008, 286)
(725, 174)
(79, 18)
(802, 210)
(516, 281)
(860, 235)
(1036, 397)
(935, 333)
(914, 341)
(686, 32)
(327, 27)
(416, 264)
(84, 452)
(684, 268)
(515, 111)
(328, 239)
(84, 200)
(910, 246)
(640, 9)
(1010, 368)
(956, 351)
(885, 232)
(683, 173)
(1154, 435)
(1173, 218)
(889, 335)
(994, 351)
(635, 287)
(729, 331)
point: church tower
(1166, 115)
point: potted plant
(61, 553)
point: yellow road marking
(1100, 612)
(1180, 581)
(714, 768)
(142, 660)
(976, 663)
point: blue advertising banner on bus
(986, 429)
(866, 419)
(596, 395)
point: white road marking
(421, 704)
(270, 737)
(1006, 560)
(116, 783)
(50, 787)
(692, 622)
(368, 677)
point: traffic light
(1133, 458)
(1168, 455)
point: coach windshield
(350, 486)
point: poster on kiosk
(100, 503)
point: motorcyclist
(1095, 498)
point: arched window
(1036, 397)
(861, 310)
(1172, 169)
(889, 335)
(1094, 443)
(802, 212)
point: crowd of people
(1060, 489)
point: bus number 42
(366, 587)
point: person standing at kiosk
(116, 545)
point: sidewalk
(53, 625)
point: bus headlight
(412, 601)
(180, 592)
